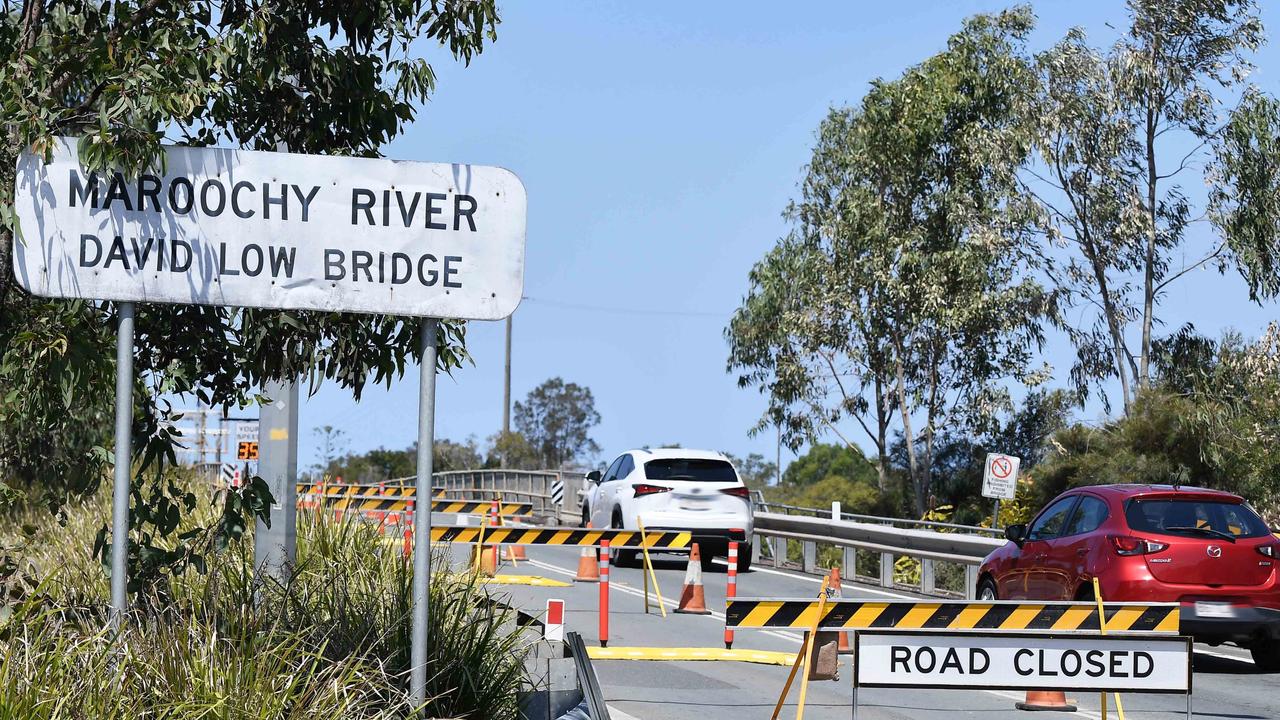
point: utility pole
(201, 426)
(777, 463)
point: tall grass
(329, 641)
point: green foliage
(823, 461)
(332, 641)
(756, 472)
(556, 418)
(1212, 420)
(382, 464)
(905, 286)
(1119, 134)
(512, 451)
(126, 76)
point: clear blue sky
(659, 143)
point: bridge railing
(775, 532)
(531, 486)
(761, 503)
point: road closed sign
(1000, 479)
(274, 230)
(1024, 661)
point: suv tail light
(741, 492)
(642, 489)
(1126, 545)
(1269, 550)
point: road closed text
(1026, 662)
(1023, 661)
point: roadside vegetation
(330, 642)
(996, 199)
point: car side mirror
(1017, 534)
(594, 476)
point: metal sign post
(274, 547)
(123, 466)
(422, 516)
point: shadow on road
(1216, 665)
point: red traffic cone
(588, 564)
(692, 598)
(1046, 700)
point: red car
(1205, 549)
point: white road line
(616, 714)
(818, 581)
(636, 592)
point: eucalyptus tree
(904, 294)
(1124, 136)
(124, 77)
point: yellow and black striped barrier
(462, 507)
(850, 614)
(334, 490)
(654, 540)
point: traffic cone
(842, 646)
(692, 599)
(1046, 700)
(588, 564)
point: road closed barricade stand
(1018, 646)
(604, 539)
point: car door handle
(1082, 551)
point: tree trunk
(1149, 274)
(882, 436)
(907, 436)
(1124, 363)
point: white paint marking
(616, 714)
(818, 581)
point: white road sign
(246, 432)
(275, 230)
(1000, 479)
(1023, 661)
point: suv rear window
(1194, 518)
(716, 471)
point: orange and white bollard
(407, 525)
(604, 593)
(553, 628)
(731, 589)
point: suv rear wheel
(1266, 655)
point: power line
(629, 311)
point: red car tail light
(741, 492)
(643, 489)
(1127, 545)
(1269, 550)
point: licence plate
(1215, 610)
(692, 505)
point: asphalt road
(1227, 686)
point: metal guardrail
(888, 542)
(896, 522)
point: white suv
(673, 489)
